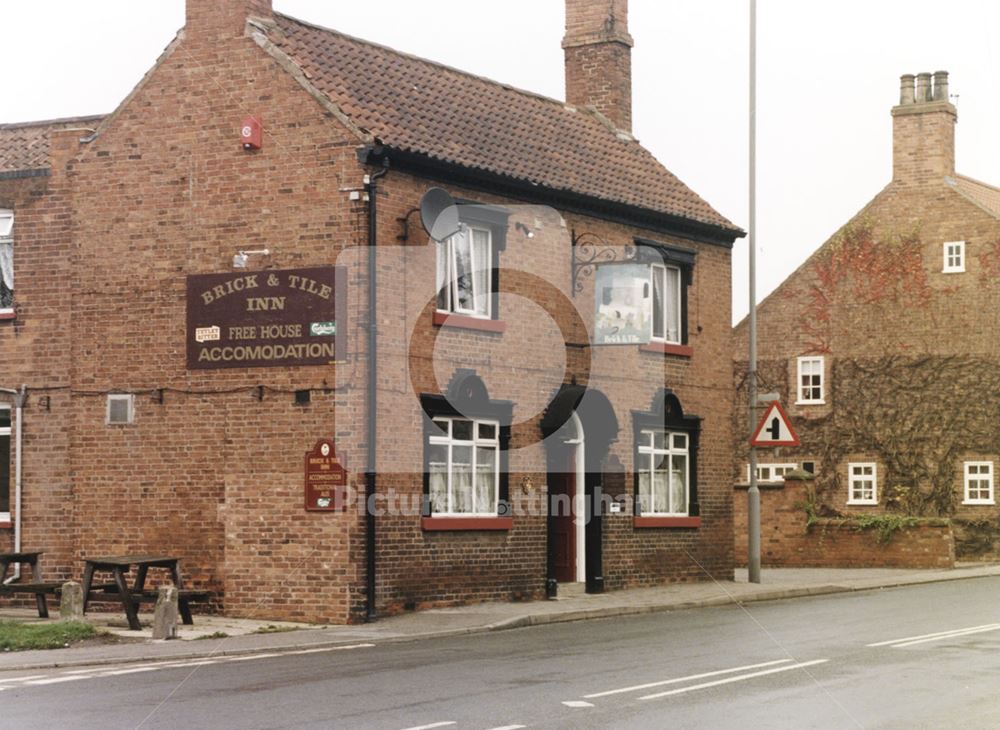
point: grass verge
(18, 636)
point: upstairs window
(6, 261)
(5, 463)
(465, 273)
(954, 257)
(666, 304)
(810, 381)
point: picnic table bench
(132, 596)
(38, 587)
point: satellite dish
(439, 214)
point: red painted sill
(461, 321)
(6, 525)
(666, 349)
(8, 314)
(436, 524)
(645, 522)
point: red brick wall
(787, 542)
(598, 52)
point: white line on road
(57, 680)
(509, 727)
(944, 634)
(330, 648)
(686, 679)
(729, 680)
(428, 727)
(22, 678)
(133, 670)
(578, 703)
(957, 634)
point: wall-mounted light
(524, 229)
(240, 258)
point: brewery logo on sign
(266, 318)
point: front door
(562, 491)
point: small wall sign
(326, 479)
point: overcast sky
(828, 74)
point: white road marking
(685, 679)
(730, 680)
(509, 727)
(57, 680)
(330, 648)
(133, 670)
(23, 678)
(957, 634)
(428, 727)
(929, 636)
(577, 703)
(248, 658)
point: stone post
(165, 615)
(71, 601)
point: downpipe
(19, 399)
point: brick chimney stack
(225, 18)
(923, 130)
(598, 51)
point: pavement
(227, 636)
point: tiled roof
(417, 106)
(986, 196)
(26, 146)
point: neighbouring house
(881, 344)
(229, 338)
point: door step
(571, 590)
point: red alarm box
(251, 133)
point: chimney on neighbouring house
(598, 52)
(923, 130)
(223, 17)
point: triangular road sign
(774, 429)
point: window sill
(647, 522)
(979, 503)
(441, 524)
(858, 503)
(810, 402)
(665, 348)
(953, 271)
(8, 314)
(463, 321)
(6, 524)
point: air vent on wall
(120, 409)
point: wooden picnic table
(37, 587)
(118, 566)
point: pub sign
(266, 318)
(326, 479)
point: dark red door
(562, 489)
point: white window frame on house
(480, 441)
(978, 482)
(954, 257)
(772, 473)
(814, 392)
(665, 318)
(5, 432)
(674, 445)
(480, 246)
(857, 482)
(7, 255)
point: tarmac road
(924, 656)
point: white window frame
(799, 387)
(450, 304)
(127, 398)
(647, 453)
(954, 257)
(6, 431)
(439, 437)
(767, 473)
(858, 479)
(7, 237)
(664, 336)
(978, 476)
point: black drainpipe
(372, 189)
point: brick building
(189, 312)
(880, 342)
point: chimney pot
(940, 86)
(923, 88)
(906, 88)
